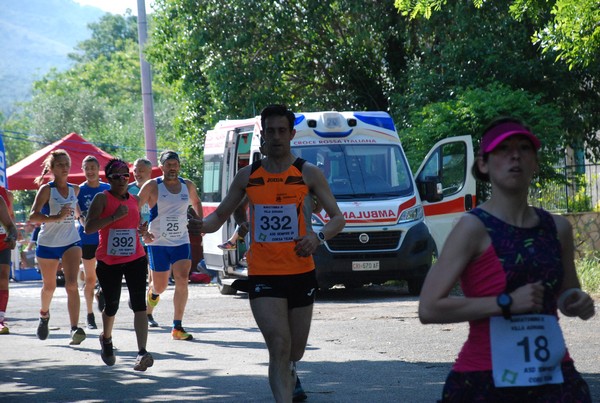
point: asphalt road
(366, 345)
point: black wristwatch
(321, 237)
(504, 301)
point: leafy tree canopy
(569, 28)
(99, 97)
(472, 110)
(234, 58)
(462, 47)
(230, 59)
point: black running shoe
(151, 321)
(106, 352)
(91, 321)
(42, 330)
(299, 395)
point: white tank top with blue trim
(60, 233)
(168, 218)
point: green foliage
(572, 29)
(99, 97)
(582, 202)
(588, 271)
(23, 200)
(462, 48)
(469, 112)
(110, 36)
(15, 146)
(569, 27)
(231, 59)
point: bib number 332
(527, 350)
(275, 223)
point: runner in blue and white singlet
(89, 241)
(168, 240)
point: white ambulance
(395, 223)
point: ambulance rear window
(211, 178)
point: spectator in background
(89, 242)
(8, 241)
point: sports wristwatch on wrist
(321, 237)
(504, 301)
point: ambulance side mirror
(430, 189)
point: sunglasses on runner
(117, 176)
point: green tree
(99, 97)
(571, 28)
(462, 48)
(469, 112)
(111, 35)
(16, 143)
(231, 59)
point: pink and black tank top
(516, 256)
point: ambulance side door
(219, 153)
(446, 186)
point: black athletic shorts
(89, 251)
(298, 289)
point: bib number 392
(121, 242)
(527, 350)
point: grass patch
(588, 271)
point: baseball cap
(499, 133)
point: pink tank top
(119, 241)
(515, 257)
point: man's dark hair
(277, 110)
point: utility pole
(148, 102)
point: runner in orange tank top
(282, 281)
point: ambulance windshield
(361, 171)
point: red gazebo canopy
(22, 174)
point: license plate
(365, 266)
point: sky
(116, 6)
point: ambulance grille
(349, 241)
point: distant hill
(36, 35)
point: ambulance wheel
(415, 285)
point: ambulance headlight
(411, 214)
